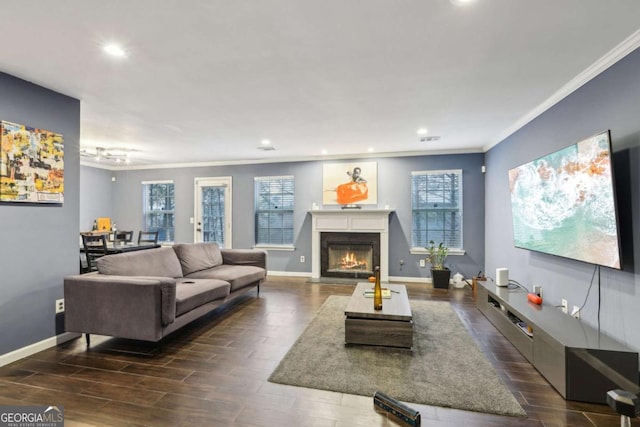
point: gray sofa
(148, 294)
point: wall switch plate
(60, 306)
(422, 263)
(301, 258)
(565, 306)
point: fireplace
(351, 222)
(349, 255)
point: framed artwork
(31, 164)
(353, 183)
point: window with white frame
(436, 206)
(274, 202)
(158, 206)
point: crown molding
(97, 165)
(285, 160)
(627, 46)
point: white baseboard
(289, 273)
(34, 348)
(410, 279)
(391, 278)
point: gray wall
(610, 101)
(96, 195)
(394, 187)
(39, 243)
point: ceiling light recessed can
(324, 152)
(422, 131)
(115, 50)
(370, 149)
(265, 142)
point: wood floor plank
(214, 372)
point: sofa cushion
(192, 293)
(197, 256)
(167, 296)
(238, 276)
(160, 262)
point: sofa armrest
(122, 306)
(252, 257)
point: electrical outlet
(575, 312)
(301, 258)
(537, 289)
(401, 262)
(565, 306)
(422, 263)
(60, 306)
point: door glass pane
(213, 208)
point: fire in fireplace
(349, 255)
(350, 258)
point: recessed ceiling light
(265, 142)
(422, 131)
(324, 152)
(115, 50)
(370, 149)
(461, 2)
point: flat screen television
(564, 203)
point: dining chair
(148, 237)
(123, 236)
(95, 246)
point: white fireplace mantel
(350, 221)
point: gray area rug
(446, 367)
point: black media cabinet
(579, 362)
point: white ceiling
(207, 80)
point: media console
(580, 363)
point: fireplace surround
(356, 221)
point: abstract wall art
(31, 164)
(350, 183)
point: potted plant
(440, 274)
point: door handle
(199, 230)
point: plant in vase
(440, 274)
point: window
(436, 205)
(274, 200)
(158, 205)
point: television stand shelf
(579, 362)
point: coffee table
(390, 327)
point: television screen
(564, 203)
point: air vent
(266, 148)
(429, 138)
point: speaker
(502, 276)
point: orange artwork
(352, 192)
(350, 183)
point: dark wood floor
(214, 373)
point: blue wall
(38, 243)
(394, 188)
(610, 101)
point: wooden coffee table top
(395, 308)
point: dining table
(120, 247)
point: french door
(212, 222)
